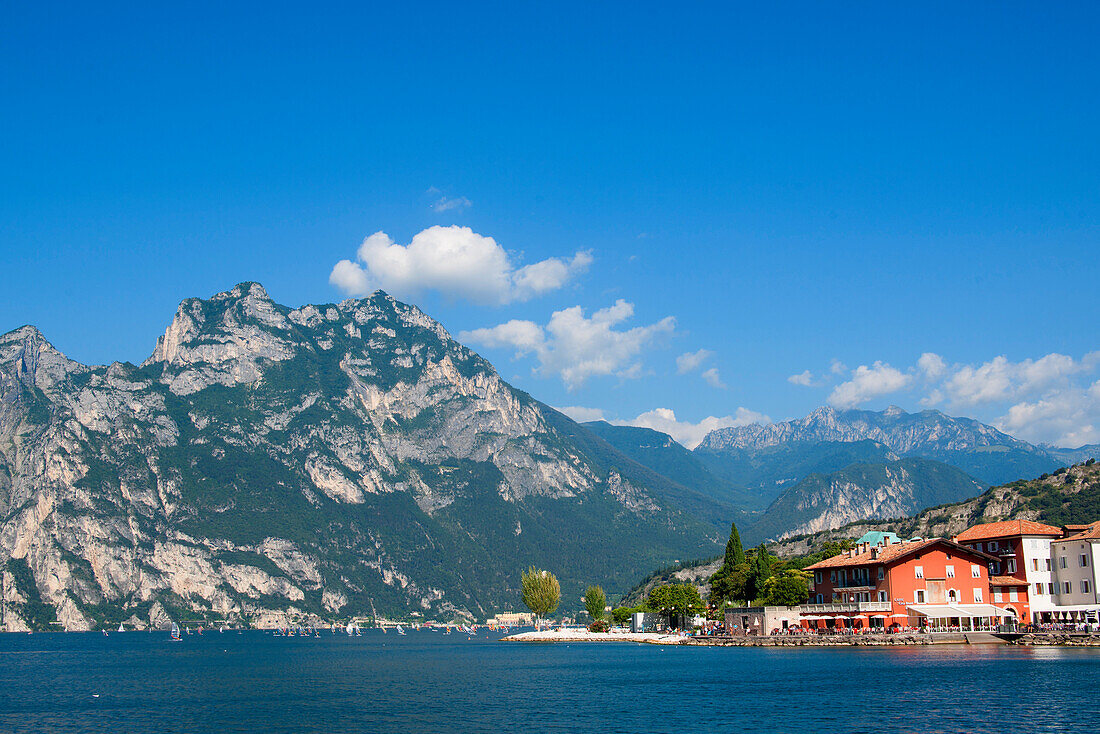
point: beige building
(1074, 561)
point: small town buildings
(934, 583)
(761, 620)
(1021, 575)
(512, 619)
(1075, 559)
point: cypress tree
(734, 552)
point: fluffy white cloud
(575, 347)
(1000, 380)
(712, 378)
(1069, 417)
(690, 361)
(455, 261)
(805, 379)
(690, 434)
(581, 414)
(932, 366)
(868, 383)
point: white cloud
(445, 204)
(574, 347)
(932, 366)
(837, 367)
(1069, 417)
(868, 383)
(690, 434)
(805, 379)
(713, 379)
(690, 361)
(581, 414)
(455, 261)
(1000, 380)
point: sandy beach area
(583, 635)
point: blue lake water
(426, 681)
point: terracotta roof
(890, 553)
(1093, 533)
(1006, 581)
(1006, 529)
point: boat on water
(121, 628)
(400, 630)
(175, 632)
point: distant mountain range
(837, 466)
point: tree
(734, 552)
(728, 582)
(541, 592)
(676, 600)
(760, 570)
(595, 601)
(787, 590)
(621, 615)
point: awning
(943, 611)
(878, 616)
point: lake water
(426, 681)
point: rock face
(980, 450)
(861, 491)
(267, 462)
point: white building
(1075, 560)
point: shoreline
(1040, 639)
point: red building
(1021, 579)
(930, 583)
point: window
(950, 572)
(1062, 562)
(1013, 595)
(1084, 586)
(820, 599)
(919, 570)
(977, 596)
(920, 596)
(1034, 564)
(1050, 588)
(997, 595)
(1067, 587)
(882, 596)
(881, 573)
(1038, 589)
(952, 595)
(975, 571)
(832, 576)
(992, 546)
(817, 577)
(1084, 560)
(1012, 565)
(1048, 564)
(978, 546)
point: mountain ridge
(267, 462)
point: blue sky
(804, 188)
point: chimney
(874, 553)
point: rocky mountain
(267, 463)
(860, 492)
(1069, 495)
(982, 451)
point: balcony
(847, 606)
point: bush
(599, 625)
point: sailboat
(400, 630)
(175, 632)
(121, 628)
